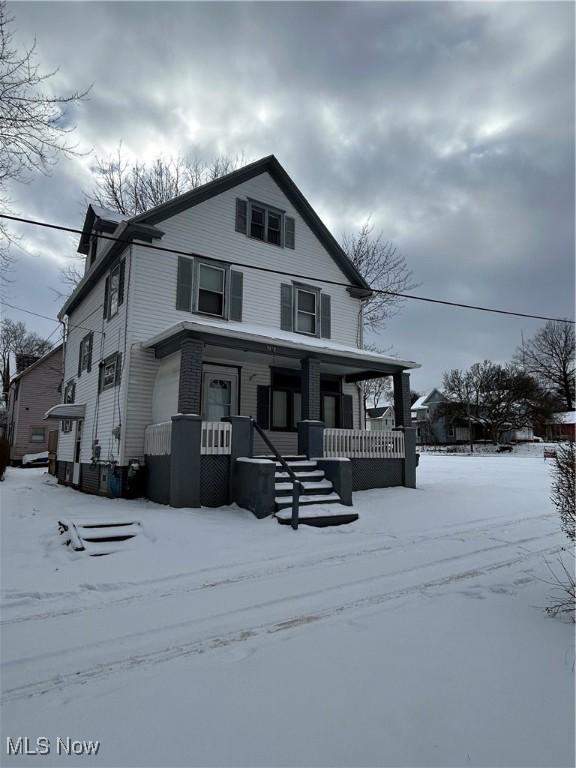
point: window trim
(267, 209)
(225, 289)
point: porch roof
(257, 338)
(68, 411)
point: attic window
(93, 249)
(266, 223)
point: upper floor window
(209, 287)
(211, 283)
(69, 396)
(306, 310)
(114, 290)
(264, 222)
(85, 354)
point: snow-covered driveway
(416, 636)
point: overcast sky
(451, 125)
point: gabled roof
(380, 412)
(38, 362)
(271, 165)
(142, 227)
(423, 401)
(101, 219)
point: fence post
(185, 460)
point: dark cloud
(452, 125)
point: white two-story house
(231, 300)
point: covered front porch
(246, 394)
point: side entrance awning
(68, 411)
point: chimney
(24, 360)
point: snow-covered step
(286, 501)
(324, 485)
(319, 515)
(108, 533)
(313, 473)
(299, 465)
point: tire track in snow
(167, 653)
(257, 574)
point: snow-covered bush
(563, 488)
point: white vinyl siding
(105, 411)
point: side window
(37, 435)
(85, 354)
(69, 395)
(110, 371)
(114, 290)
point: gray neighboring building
(35, 388)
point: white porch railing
(216, 437)
(157, 439)
(364, 444)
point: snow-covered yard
(416, 636)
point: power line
(382, 291)
(45, 317)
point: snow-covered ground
(416, 636)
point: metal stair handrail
(296, 484)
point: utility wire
(45, 317)
(444, 302)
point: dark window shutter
(241, 215)
(80, 357)
(236, 290)
(121, 281)
(90, 345)
(286, 312)
(325, 316)
(263, 407)
(347, 412)
(73, 392)
(106, 291)
(184, 284)
(289, 232)
(118, 371)
(100, 376)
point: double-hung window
(266, 223)
(306, 311)
(110, 369)
(69, 395)
(114, 292)
(211, 290)
(37, 435)
(85, 354)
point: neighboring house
(35, 388)
(380, 418)
(562, 426)
(432, 426)
(202, 325)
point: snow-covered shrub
(563, 488)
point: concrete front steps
(319, 504)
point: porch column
(190, 388)
(310, 389)
(402, 399)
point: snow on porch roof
(260, 334)
(69, 411)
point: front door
(219, 392)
